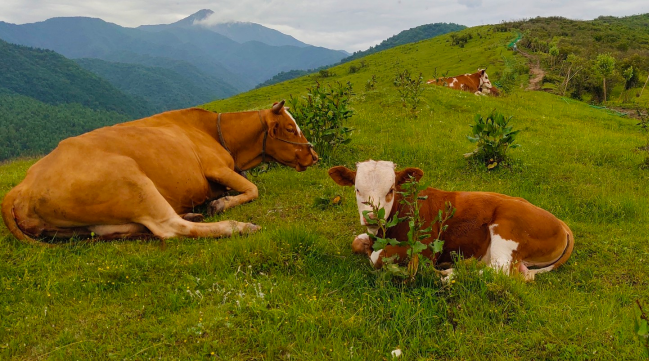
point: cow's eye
(357, 191)
(290, 130)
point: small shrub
(410, 90)
(416, 234)
(510, 76)
(642, 327)
(322, 115)
(353, 69)
(493, 136)
(369, 85)
(325, 73)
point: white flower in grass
(396, 353)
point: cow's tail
(567, 251)
(570, 244)
(9, 217)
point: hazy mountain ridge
(238, 65)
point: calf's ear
(404, 175)
(342, 175)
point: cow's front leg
(363, 245)
(237, 182)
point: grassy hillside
(411, 35)
(164, 89)
(295, 290)
(626, 39)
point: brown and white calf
(477, 83)
(507, 233)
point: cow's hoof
(362, 244)
(193, 217)
(250, 228)
(216, 206)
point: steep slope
(411, 35)
(164, 89)
(45, 98)
(51, 78)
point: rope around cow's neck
(263, 148)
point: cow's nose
(314, 155)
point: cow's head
(286, 143)
(485, 83)
(376, 182)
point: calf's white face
(374, 185)
(375, 182)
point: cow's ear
(342, 175)
(405, 175)
(277, 107)
(273, 128)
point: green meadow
(294, 290)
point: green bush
(493, 136)
(410, 89)
(322, 115)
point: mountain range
(240, 62)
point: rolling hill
(411, 35)
(295, 290)
(162, 88)
(45, 98)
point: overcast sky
(337, 24)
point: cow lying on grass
(507, 233)
(143, 177)
(477, 83)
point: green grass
(295, 290)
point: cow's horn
(277, 107)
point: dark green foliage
(51, 78)
(411, 35)
(45, 98)
(493, 136)
(460, 40)
(164, 89)
(326, 73)
(353, 69)
(322, 114)
(30, 127)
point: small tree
(493, 136)
(604, 66)
(322, 115)
(410, 90)
(554, 53)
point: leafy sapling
(416, 231)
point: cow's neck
(243, 136)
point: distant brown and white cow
(507, 233)
(143, 177)
(477, 83)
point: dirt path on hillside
(536, 73)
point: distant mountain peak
(198, 16)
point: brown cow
(477, 83)
(506, 233)
(137, 178)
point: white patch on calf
(374, 257)
(453, 82)
(500, 253)
(374, 180)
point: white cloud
(337, 24)
(470, 3)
